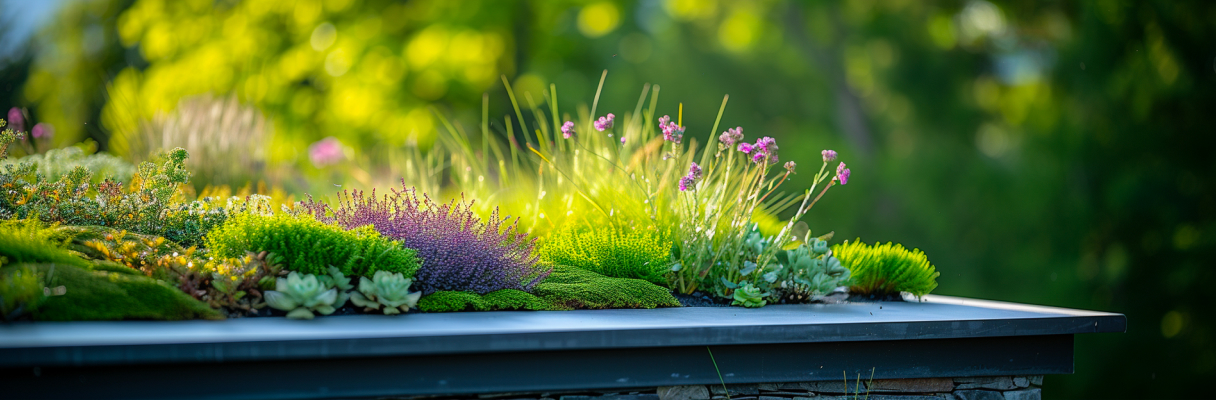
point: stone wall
(982, 388)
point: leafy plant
(611, 251)
(32, 241)
(887, 269)
(570, 288)
(146, 205)
(57, 163)
(459, 251)
(302, 295)
(388, 290)
(309, 246)
(749, 296)
(807, 272)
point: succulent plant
(807, 272)
(301, 295)
(749, 296)
(388, 290)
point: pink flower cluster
(765, 150)
(731, 136)
(671, 132)
(689, 182)
(568, 129)
(842, 174)
(604, 123)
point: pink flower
(15, 120)
(567, 129)
(42, 130)
(746, 148)
(695, 171)
(829, 155)
(731, 136)
(605, 122)
(790, 165)
(325, 152)
(622, 140)
(842, 174)
(671, 132)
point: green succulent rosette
(302, 295)
(389, 291)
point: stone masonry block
(922, 385)
(986, 382)
(1025, 394)
(683, 393)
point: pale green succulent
(301, 295)
(749, 296)
(387, 289)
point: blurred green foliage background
(1038, 151)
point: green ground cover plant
(887, 269)
(611, 251)
(570, 288)
(309, 246)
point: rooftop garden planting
(624, 209)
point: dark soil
(700, 299)
(875, 297)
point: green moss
(573, 288)
(612, 252)
(33, 241)
(310, 247)
(886, 269)
(500, 300)
(102, 295)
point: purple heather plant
(568, 129)
(605, 123)
(459, 251)
(689, 182)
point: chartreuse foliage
(78, 289)
(574, 288)
(611, 251)
(499, 300)
(308, 246)
(885, 269)
(566, 288)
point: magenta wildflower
(15, 120)
(605, 122)
(325, 152)
(687, 183)
(829, 155)
(42, 130)
(842, 174)
(790, 165)
(568, 129)
(765, 150)
(671, 131)
(731, 136)
(622, 140)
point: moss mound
(569, 288)
(499, 300)
(91, 295)
(31, 240)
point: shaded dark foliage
(459, 251)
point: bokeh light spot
(323, 36)
(598, 19)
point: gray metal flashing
(46, 344)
